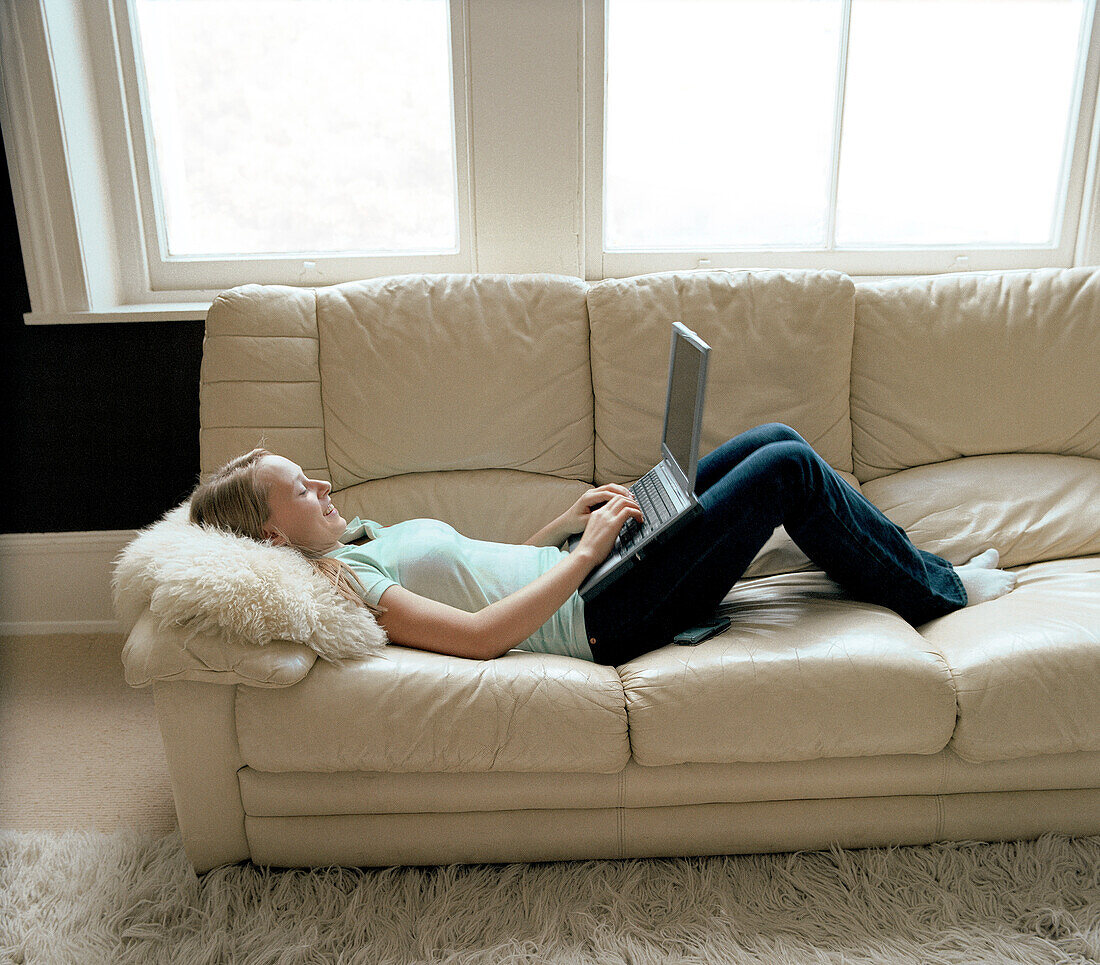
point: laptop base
(605, 576)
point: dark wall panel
(101, 421)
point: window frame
(1075, 231)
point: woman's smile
(293, 499)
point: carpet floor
(91, 897)
(79, 749)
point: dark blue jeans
(761, 479)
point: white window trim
(535, 167)
(1079, 235)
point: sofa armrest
(154, 653)
(199, 729)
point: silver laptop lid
(687, 382)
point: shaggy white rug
(86, 897)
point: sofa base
(493, 837)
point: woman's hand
(604, 525)
(574, 519)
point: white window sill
(167, 312)
(196, 311)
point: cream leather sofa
(966, 406)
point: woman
(434, 589)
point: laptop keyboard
(655, 509)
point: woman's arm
(575, 518)
(501, 625)
(415, 621)
(552, 534)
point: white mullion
(594, 121)
(1087, 245)
(838, 122)
(465, 195)
(579, 210)
(524, 62)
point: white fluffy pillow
(203, 579)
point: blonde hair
(233, 498)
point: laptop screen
(685, 386)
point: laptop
(667, 492)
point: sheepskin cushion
(205, 580)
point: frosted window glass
(956, 120)
(719, 122)
(302, 125)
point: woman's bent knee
(789, 467)
(781, 432)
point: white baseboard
(59, 582)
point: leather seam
(241, 766)
(268, 335)
(261, 381)
(321, 385)
(621, 811)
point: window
(162, 151)
(886, 132)
(719, 122)
(311, 129)
(963, 134)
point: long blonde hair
(234, 499)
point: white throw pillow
(203, 579)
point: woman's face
(300, 507)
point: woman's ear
(274, 537)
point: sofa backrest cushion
(424, 373)
(781, 341)
(501, 505)
(974, 364)
(259, 381)
(406, 383)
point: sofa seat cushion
(1030, 507)
(1027, 665)
(415, 710)
(803, 672)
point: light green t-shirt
(432, 559)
